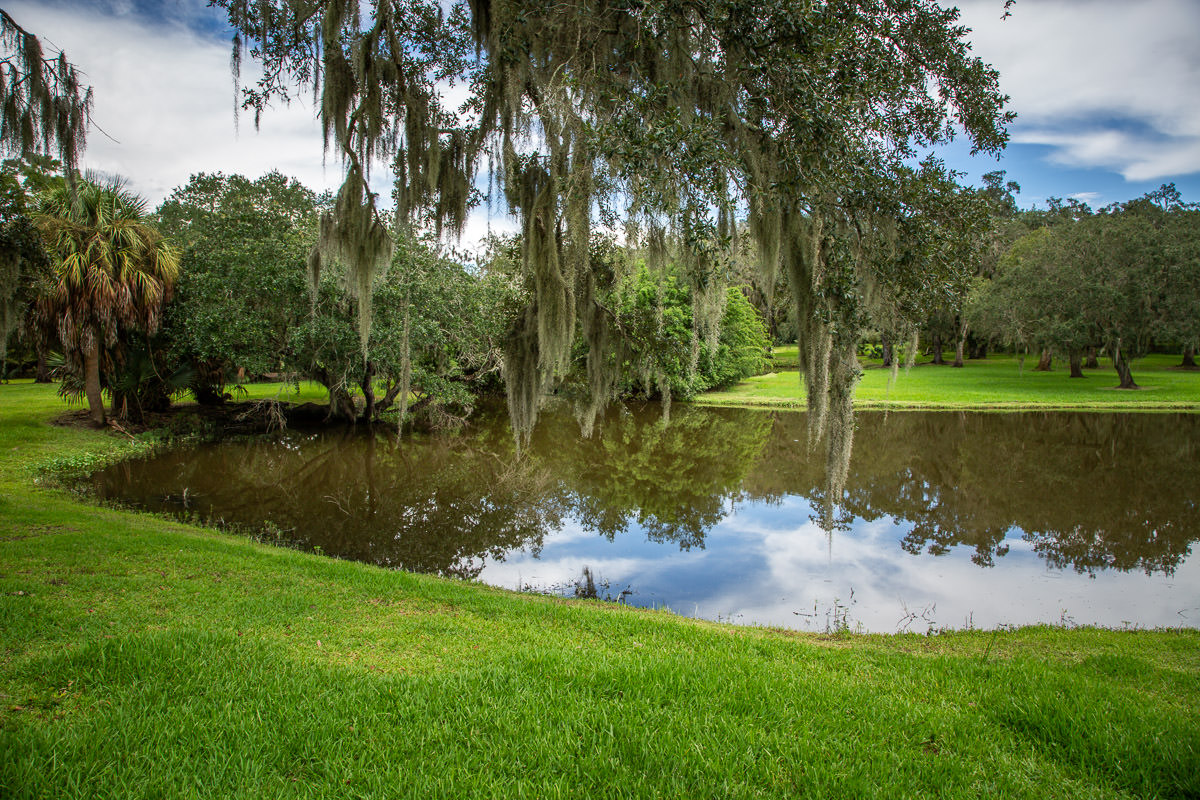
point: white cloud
(1135, 157)
(165, 97)
(1101, 83)
(1104, 83)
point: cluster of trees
(664, 118)
(1075, 281)
(215, 286)
(85, 274)
(1070, 281)
(246, 305)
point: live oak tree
(243, 304)
(1118, 279)
(242, 289)
(436, 338)
(1004, 224)
(1038, 298)
(673, 118)
(1176, 256)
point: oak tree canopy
(665, 120)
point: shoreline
(905, 405)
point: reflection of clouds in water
(711, 549)
(1017, 544)
(771, 565)
(888, 583)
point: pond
(948, 519)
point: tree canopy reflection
(1088, 492)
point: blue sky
(1107, 95)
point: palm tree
(113, 273)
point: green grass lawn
(997, 382)
(141, 657)
(302, 392)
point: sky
(1107, 94)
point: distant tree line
(1071, 282)
(1074, 281)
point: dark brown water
(947, 519)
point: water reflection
(440, 506)
(1088, 491)
(720, 502)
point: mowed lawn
(997, 382)
(145, 658)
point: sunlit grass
(146, 658)
(291, 392)
(995, 382)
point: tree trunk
(977, 348)
(1123, 370)
(1043, 364)
(937, 349)
(958, 346)
(1091, 363)
(886, 341)
(368, 413)
(1075, 357)
(341, 405)
(389, 397)
(1189, 357)
(91, 381)
(43, 370)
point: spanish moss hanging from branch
(44, 107)
(678, 118)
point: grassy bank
(997, 382)
(146, 658)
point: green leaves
(1119, 279)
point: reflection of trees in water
(675, 481)
(1090, 491)
(437, 504)
(444, 504)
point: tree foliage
(437, 337)
(112, 274)
(244, 302)
(242, 288)
(44, 107)
(654, 311)
(670, 117)
(1116, 279)
(24, 266)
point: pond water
(947, 519)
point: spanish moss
(671, 120)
